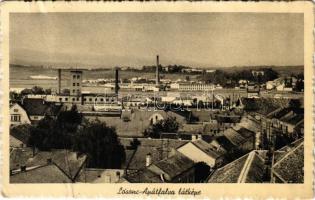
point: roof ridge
(243, 175)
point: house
(174, 169)
(133, 123)
(249, 168)
(19, 135)
(253, 91)
(92, 175)
(201, 151)
(23, 160)
(241, 137)
(223, 145)
(226, 121)
(137, 150)
(48, 173)
(37, 109)
(18, 115)
(288, 163)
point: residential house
(201, 151)
(241, 137)
(25, 160)
(37, 109)
(18, 115)
(174, 169)
(249, 168)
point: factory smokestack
(116, 81)
(157, 78)
(59, 81)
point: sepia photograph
(156, 97)
(199, 100)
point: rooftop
(289, 163)
(44, 174)
(246, 169)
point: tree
(168, 125)
(101, 145)
(202, 171)
(38, 90)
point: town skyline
(246, 39)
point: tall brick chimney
(59, 81)
(116, 81)
(157, 78)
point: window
(102, 99)
(73, 91)
(78, 76)
(90, 99)
(78, 84)
(16, 110)
(78, 91)
(60, 99)
(84, 99)
(78, 99)
(66, 99)
(73, 99)
(73, 84)
(73, 76)
(35, 117)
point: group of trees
(34, 90)
(231, 79)
(95, 139)
(168, 125)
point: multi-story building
(75, 83)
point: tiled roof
(44, 174)
(289, 163)
(228, 119)
(234, 137)
(143, 176)
(19, 157)
(225, 143)
(175, 165)
(244, 132)
(90, 175)
(68, 161)
(21, 132)
(39, 107)
(207, 148)
(247, 169)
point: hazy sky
(134, 39)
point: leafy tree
(202, 171)
(168, 125)
(38, 90)
(101, 144)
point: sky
(87, 40)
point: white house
(201, 151)
(18, 115)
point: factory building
(75, 82)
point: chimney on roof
(157, 78)
(148, 160)
(193, 137)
